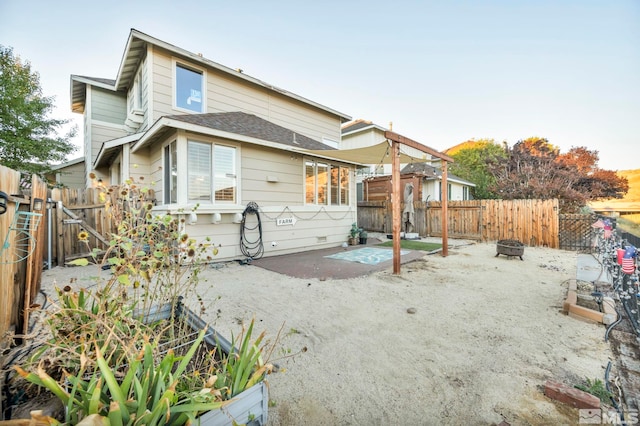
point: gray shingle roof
(250, 125)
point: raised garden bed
(249, 407)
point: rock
(411, 310)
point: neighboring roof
(67, 164)
(431, 172)
(135, 51)
(359, 125)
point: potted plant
(353, 234)
(362, 234)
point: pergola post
(396, 140)
(395, 205)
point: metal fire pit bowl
(510, 248)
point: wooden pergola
(396, 141)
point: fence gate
(576, 232)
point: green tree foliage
(535, 169)
(472, 164)
(28, 137)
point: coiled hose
(252, 249)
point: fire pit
(510, 248)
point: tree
(28, 137)
(596, 182)
(535, 169)
(472, 163)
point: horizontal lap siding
(72, 176)
(314, 229)
(101, 134)
(108, 106)
(226, 94)
(257, 164)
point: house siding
(258, 163)
(108, 107)
(362, 139)
(272, 178)
(144, 81)
(71, 176)
(226, 94)
(316, 226)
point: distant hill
(631, 200)
(464, 145)
(633, 176)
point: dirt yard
(464, 339)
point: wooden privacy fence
(533, 222)
(77, 210)
(21, 235)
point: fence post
(60, 248)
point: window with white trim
(212, 175)
(189, 88)
(466, 193)
(326, 184)
(137, 92)
(170, 186)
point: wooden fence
(21, 231)
(533, 222)
(77, 210)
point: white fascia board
(113, 143)
(364, 129)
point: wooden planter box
(249, 407)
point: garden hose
(252, 249)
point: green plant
(243, 367)
(146, 394)
(354, 231)
(104, 360)
(362, 233)
(596, 388)
(413, 245)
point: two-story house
(200, 133)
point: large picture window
(212, 173)
(326, 184)
(189, 89)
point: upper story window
(137, 92)
(189, 85)
(326, 184)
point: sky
(442, 72)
